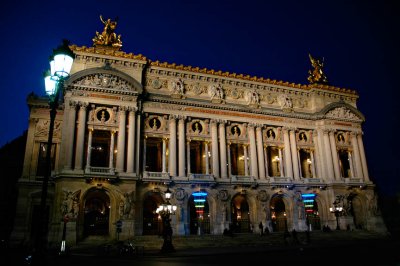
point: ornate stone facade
(129, 127)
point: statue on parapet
(108, 37)
(316, 75)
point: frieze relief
(342, 113)
(105, 81)
(42, 128)
(70, 204)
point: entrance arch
(96, 213)
(278, 214)
(240, 214)
(152, 224)
(199, 219)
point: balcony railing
(202, 177)
(155, 176)
(99, 170)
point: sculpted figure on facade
(341, 112)
(223, 195)
(177, 88)
(253, 98)
(262, 196)
(285, 102)
(108, 37)
(127, 205)
(70, 204)
(216, 93)
(316, 75)
(180, 194)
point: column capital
(173, 117)
(132, 109)
(289, 128)
(213, 121)
(72, 104)
(353, 134)
(326, 131)
(83, 104)
(181, 118)
(123, 108)
(251, 125)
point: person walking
(261, 227)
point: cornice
(247, 79)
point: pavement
(352, 247)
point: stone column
(89, 149)
(69, 138)
(328, 153)
(335, 158)
(253, 152)
(214, 139)
(80, 138)
(265, 161)
(182, 141)
(29, 149)
(111, 162)
(172, 146)
(312, 163)
(144, 162)
(299, 164)
(138, 140)
(294, 152)
(246, 164)
(229, 160)
(260, 153)
(281, 162)
(207, 159)
(356, 152)
(131, 140)
(121, 139)
(316, 161)
(164, 155)
(288, 156)
(363, 158)
(222, 149)
(351, 163)
(322, 156)
(188, 157)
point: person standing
(261, 227)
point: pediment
(104, 80)
(343, 112)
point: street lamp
(337, 210)
(60, 66)
(165, 210)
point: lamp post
(165, 210)
(60, 66)
(286, 227)
(63, 250)
(337, 210)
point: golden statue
(108, 36)
(317, 75)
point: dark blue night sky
(270, 39)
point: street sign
(119, 224)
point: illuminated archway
(152, 224)
(278, 214)
(240, 214)
(199, 216)
(96, 213)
